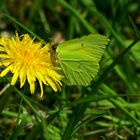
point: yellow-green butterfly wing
(79, 58)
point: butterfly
(79, 58)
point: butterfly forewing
(79, 58)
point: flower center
(27, 57)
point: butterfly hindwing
(79, 58)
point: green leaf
(50, 132)
(135, 51)
(79, 58)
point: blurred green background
(109, 108)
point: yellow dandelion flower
(28, 60)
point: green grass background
(109, 108)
